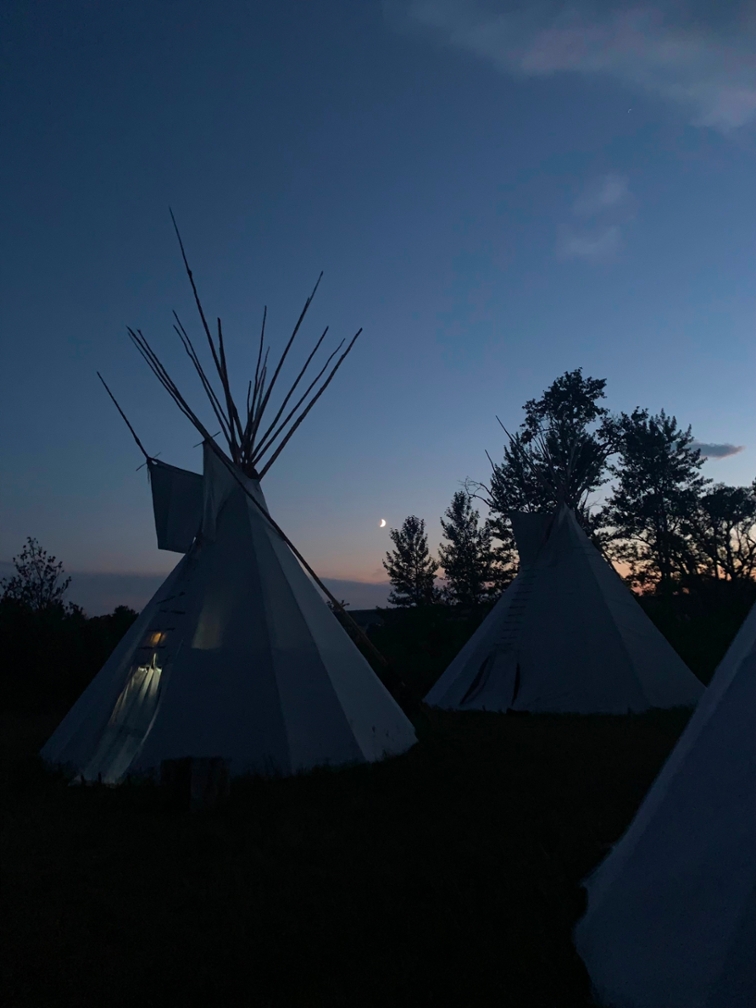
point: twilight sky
(496, 191)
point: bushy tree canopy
(559, 455)
(723, 531)
(661, 518)
(38, 582)
(657, 491)
(561, 451)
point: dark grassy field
(448, 876)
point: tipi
(671, 920)
(237, 656)
(567, 635)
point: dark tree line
(49, 649)
(634, 481)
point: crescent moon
(382, 523)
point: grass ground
(447, 876)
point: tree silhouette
(723, 529)
(559, 455)
(660, 519)
(411, 568)
(37, 582)
(471, 565)
(655, 497)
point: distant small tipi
(566, 636)
(237, 656)
(671, 919)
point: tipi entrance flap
(128, 726)
(177, 505)
(456, 682)
(80, 733)
(497, 684)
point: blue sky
(496, 192)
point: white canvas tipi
(671, 920)
(237, 656)
(566, 636)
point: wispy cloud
(698, 56)
(597, 243)
(606, 192)
(717, 451)
(599, 212)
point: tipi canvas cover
(671, 920)
(237, 657)
(566, 636)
